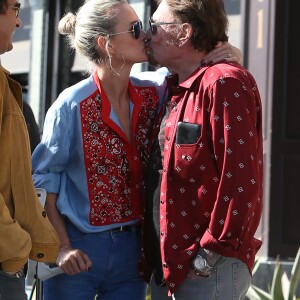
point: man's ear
(185, 34)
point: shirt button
(161, 233)
(162, 202)
(40, 255)
(165, 265)
(44, 214)
(167, 138)
(183, 156)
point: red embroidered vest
(114, 168)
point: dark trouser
(11, 287)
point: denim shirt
(60, 161)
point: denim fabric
(229, 281)
(113, 275)
(11, 287)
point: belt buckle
(125, 228)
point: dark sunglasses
(16, 8)
(153, 25)
(136, 29)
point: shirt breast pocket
(190, 153)
(187, 133)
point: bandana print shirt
(86, 158)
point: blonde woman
(93, 157)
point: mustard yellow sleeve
(15, 242)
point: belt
(128, 228)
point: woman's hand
(223, 51)
(73, 261)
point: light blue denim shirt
(58, 161)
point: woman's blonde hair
(94, 18)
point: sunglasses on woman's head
(136, 29)
(153, 25)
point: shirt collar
(172, 80)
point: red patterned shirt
(211, 189)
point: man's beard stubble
(172, 42)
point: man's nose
(19, 22)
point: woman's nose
(142, 34)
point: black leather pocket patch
(187, 133)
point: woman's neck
(114, 85)
(116, 89)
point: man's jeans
(113, 275)
(229, 281)
(11, 287)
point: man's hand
(192, 274)
(203, 263)
(18, 274)
(73, 261)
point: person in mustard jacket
(25, 231)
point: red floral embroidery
(114, 169)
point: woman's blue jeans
(113, 275)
